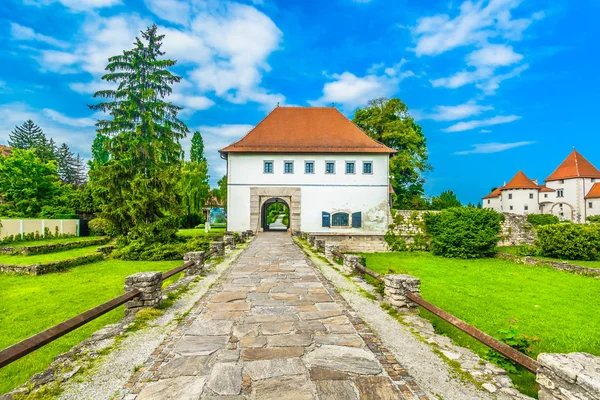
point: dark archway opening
(275, 215)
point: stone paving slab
(272, 328)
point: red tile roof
(5, 151)
(495, 193)
(391, 189)
(574, 166)
(594, 192)
(307, 130)
(544, 188)
(520, 181)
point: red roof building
(520, 181)
(574, 166)
(594, 192)
(5, 151)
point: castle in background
(571, 192)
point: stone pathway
(272, 328)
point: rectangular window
(326, 218)
(545, 195)
(288, 167)
(510, 196)
(560, 193)
(526, 208)
(531, 195)
(268, 169)
(309, 167)
(590, 205)
(350, 167)
(356, 220)
(367, 167)
(339, 219)
(330, 167)
(562, 181)
(510, 207)
(489, 201)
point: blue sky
(497, 85)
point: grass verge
(513, 250)
(558, 308)
(48, 257)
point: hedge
(569, 241)
(542, 219)
(463, 232)
(55, 247)
(41, 269)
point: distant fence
(21, 227)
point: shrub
(542, 219)
(527, 250)
(569, 241)
(463, 232)
(594, 219)
(99, 227)
(396, 242)
(138, 250)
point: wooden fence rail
(514, 355)
(24, 347)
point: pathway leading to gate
(272, 328)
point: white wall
(493, 204)
(358, 192)
(574, 194)
(520, 199)
(595, 210)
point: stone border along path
(272, 328)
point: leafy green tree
(28, 184)
(100, 154)
(445, 200)
(66, 165)
(389, 122)
(140, 178)
(194, 188)
(197, 150)
(223, 191)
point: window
(268, 167)
(545, 195)
(560, 193)
(330, 167)
(510, 196)
(349, 167)
(326, 218)
(288, 167)
(356, 220)
(510, 207)
(367, 167)
(526, 208)
(309, 167)
(531, 195)
(593, 180)
(562, 181)
(489, 201)
(339, 219)
(590, 205)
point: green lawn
(513, 250)
(30, 304)
(50, 241)
(559, 308)
(200, 232)
(46, 258)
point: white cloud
(64, 120)
(76, 5)
(453, 113)
(24, 33)
(170, 10)
(475, 24)
(469, 125)
(463, 78)
(90, 87)
(494, 55)
(352, 91)
(490, 86)
(493, 147)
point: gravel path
(432, 374)
(113, 371)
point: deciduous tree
(389, 122)
(445, 200)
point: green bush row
(542, 219)
(70, 263)
(29, 237)
(569, 241)
(594, 219)
(51, 248)
(140, 251)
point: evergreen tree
(66, 163)
(194, 188)
(140, 178)
(197, 150)
(27, 136)
(100, 154)
(80, 172)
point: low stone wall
(568, 376)
(41, 269)
(559, 265)
(355, 243)
(515, 228)
(53, 247)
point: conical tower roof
(574, 166)
(520, 181)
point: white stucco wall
(595, 210)
(493, 203)
(358, 192)
(574, 194)
(520, 199)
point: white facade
(493, 203)
(319, 192)
(570, 193)
(520, 201)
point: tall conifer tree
(197, 150)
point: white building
(571, 192)
(333, 177)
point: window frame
(347, 220)
(510, 196)
(560, 193)
(272, 162)
(363, 168)
(526, 207)
(590, 204)
(285, 163)
(329, 162)
(531, 196)
(353, 168)
(312, 162)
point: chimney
(535, 181)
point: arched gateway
(280, 221)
